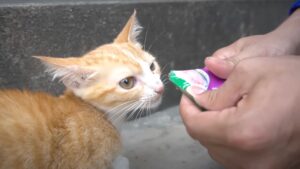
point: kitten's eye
(152, 66)
(128, 82)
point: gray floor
(160, 141)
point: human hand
(283, 41)
(223, 60)
(253, 119)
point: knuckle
(219, 52)
(242, 41)
(211, 99)
(242, 68)
(246, 67)
(234, 60)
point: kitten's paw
(120, 162)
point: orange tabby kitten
(39, 131)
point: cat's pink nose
(159, 89)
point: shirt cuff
(295, 6)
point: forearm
(289, 31)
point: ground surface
(160, 141)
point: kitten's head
(119, 76)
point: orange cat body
(74, 131)
(42, 131)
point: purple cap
(215, 82)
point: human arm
(253, 119)
(282, 41)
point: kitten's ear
(69, 71)
(130, 31)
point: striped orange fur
(75, 130)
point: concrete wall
(179, 33)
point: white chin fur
(155, 103)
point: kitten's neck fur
(70, 96)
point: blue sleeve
(295, 6)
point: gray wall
(180, 34)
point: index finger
(208, 126)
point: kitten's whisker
(146, 34)
(140, 108)
(164, 68)
(166, 79)
(166, 82)
(165, 75)
(163, 78)
(117, 118)
(134, 107)
(120, 108)
(148, 108)
(121, 105)
(156, 38)
(120, 118)
(126, 109)
(144, 108)
(130, 115)
(138, 113)
(116, 115)
(133, 111)
(147, 97)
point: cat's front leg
(120, 162)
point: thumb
(220, 62)
(226, 96)
(220, 67)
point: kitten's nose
(159, 89)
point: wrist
(281, 44)
(289, 33)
